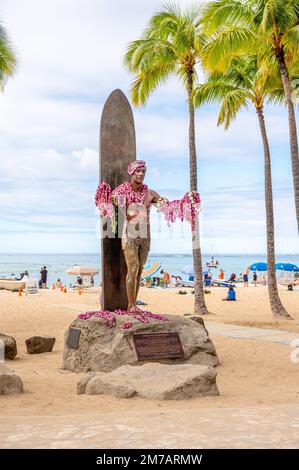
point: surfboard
(117, 149)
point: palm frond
(231, 104)
(171, 43)
(276, 16)
(8, 59)
(144, 52)
(214, 90)
(227, 43)
(290, 43)
(276, 96)
(220, 12)
(147, 81)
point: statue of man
(136, 230)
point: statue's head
(137, 171)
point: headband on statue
(135, 166)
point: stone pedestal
(104, 349)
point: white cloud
(70, 59)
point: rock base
(104, 349)
(154, 381)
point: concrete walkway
(219, 427)
(236, 427)
(246, 332)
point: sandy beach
(265, 366)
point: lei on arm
(185, 209)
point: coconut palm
(244, 84)
(268, 27)
(171, 46)
(7, 58)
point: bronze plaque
(73, 337)
(158, 346)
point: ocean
(13, 264)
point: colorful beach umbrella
(150, 269)
(258, 267)
(287, 267)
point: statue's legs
(143, 253)
(135, 252)
(130, 249)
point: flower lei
(111, 317)
(123, 195)
(106, 200)
(185, 209)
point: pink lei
(123, 195)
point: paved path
(250, 427)
(246, 332)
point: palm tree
(171, 46)
(238, 26)
(244, 84)
(278, 21)
(7, 58)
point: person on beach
(255, 279)
(232, 277)
(231, 294)
(43, 277)
(245, 279)
(58, 283)
(136, 231)
(22, 275)
(221, 274)
(165, 278)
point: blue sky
(70, 59)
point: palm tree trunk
(277, 308)
(199, 299)
(292, 127)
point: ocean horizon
(12, 264)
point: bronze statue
(136, 230)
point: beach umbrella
(150, 269)
(287, 267)
(189, 270)
(81, 271)
(258, 267)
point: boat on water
(212, 264)
(12, 284)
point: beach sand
(252, 373)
